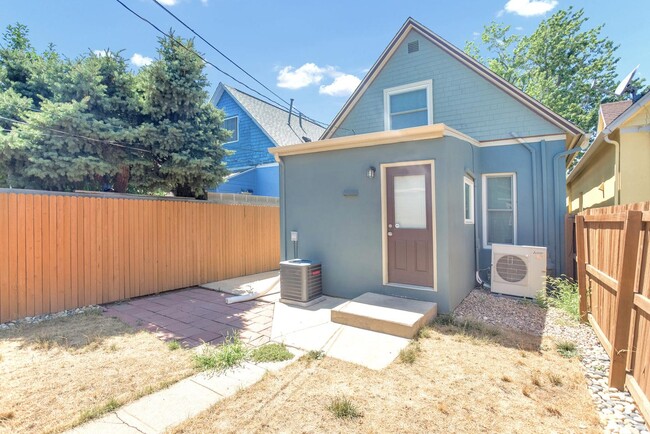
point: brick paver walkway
(196, 315)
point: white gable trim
(450, 49)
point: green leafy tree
(183, 130)
(563, 64)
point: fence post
(625, 299)
(581, 253)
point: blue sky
(312, 51)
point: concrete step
(385, 314)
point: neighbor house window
(232, 124)
(468, 195)
(499, 209)
(408, 106)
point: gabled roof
(632, 109)
(271, 119)
(611, 110)
(459, 55)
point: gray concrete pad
(311, 328)
(247, 284)
(231, 381)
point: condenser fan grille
(511, 268)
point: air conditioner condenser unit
(518, 270)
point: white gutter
(617, 168)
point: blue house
(431, 161)
(256, 126)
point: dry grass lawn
(460, 380)
(59, 373)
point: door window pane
(410, 202)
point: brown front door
(410, 228)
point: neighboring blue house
(432, 160)
(256, 126)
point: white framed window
(232, 124)
(468, 196)
(499, 209)
(410, 105)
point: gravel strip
(618, 414)
(49, 316)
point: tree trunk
(121, 180)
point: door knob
(390, 234)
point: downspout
(283, 204)
(477, 240)
(617, 168)
(556, 189)
(544, 194)
(533, 165)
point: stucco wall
(462, 98)
(345, 233)
(635, 167)
(585, 191)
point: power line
(195, 53)
(66, 134)
(274, 102)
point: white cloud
(519, 28)
(529, 8)
(169, 2)
(101, 53)
(343, 85)
(204, 2)
(297, 78)
(309, 74)
(139, 60)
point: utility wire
(195, 53)
(274, 102)
(66, 134)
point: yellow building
(615, 170)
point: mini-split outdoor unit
(518, 270)
(300, 281)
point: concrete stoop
(395, 316)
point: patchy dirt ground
(58, 373)
(465, 379)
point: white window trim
(468, 181)
(425, 84)
(484, 202)
(237, 124)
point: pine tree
(183, 130)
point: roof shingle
(612, 110)
(274, 120)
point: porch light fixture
(371, 172)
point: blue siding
(251, 148)
(462, 99)
(260, 181)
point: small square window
(232, 124)
(408, 106)
(468, 195)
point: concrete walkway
(167, 408)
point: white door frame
(384, 224)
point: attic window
(407, 106)
(414, 46)
(232, 124)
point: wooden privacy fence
(613, 263)
(61, 251)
